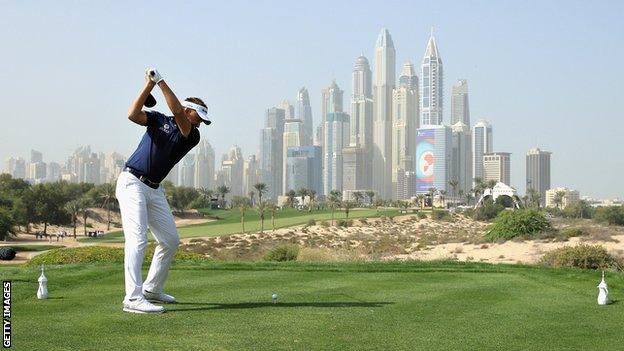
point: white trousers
(142, 206)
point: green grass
(351, 306)
(229, 222)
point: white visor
(201, 110)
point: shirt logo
(166, 128)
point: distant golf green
(229, 222)
(350, 306)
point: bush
(421, 215)
(344, 223)
(571, 232)
(7, 253)
(441, 215)
(324, 224)
(309, 254)
(311, 221)
(97, 254)
(488, 211)
(282, 253)
(580, 256)
(613, 215)
(511, 224)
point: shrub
(580, 256)
(282, 253)
(96, 254)
(421, 215)
(571, 232)
(511, 224)
(488, 211)
(308, 254)
(613, 215)
(311, 221)
(324, 224)
(7, 253)
(441, 215)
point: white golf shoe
(142, 306)
(158, 297)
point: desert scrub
(581, 256)
(441, 215)
(512, 224)
(282, 253)
(421, 215)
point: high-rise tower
(431, 85)
(382, 125)
(538, 172)
(481, 144)
(459, 103)
(303, 112)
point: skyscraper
(382, 125)
(304, 168)
(289, 110)
(303, 112)
(331, 101)
(461, 158)
(271, 151)
(16, 167)
(204, 165)
(232, 167)
(538, 172)
(251, 174)
(187, 170)
(459, 103)
(357, 157)
(433, 157)
(336, 139)
(481, 144)
(431, 85)
(404, 126)
(293, 137)
(497, 166)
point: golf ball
(274, 296)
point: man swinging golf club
(142, 199)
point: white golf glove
(153, 75)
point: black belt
(142, 178)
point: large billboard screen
(425, 159)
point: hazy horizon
(545, 75)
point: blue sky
(545, 74)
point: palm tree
(442, 197)
(205, 194)
(468, 197)
(261, 209)
(534, 197)
(74, 207)
(453, 183)
(479, 186)
(432, 192)
(370, 194)
(290, 198)
(334, 200)
(84, 204)
(348, 205)
(357, 195)
(312, 199)
(558, 198)
(273, 209)
(107, 194)
(243, 204)
(491, 184)
(303, 192)
(460, 194)
(223, 190)
(261, 188)
(420, 200)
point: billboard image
(425, 159)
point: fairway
(350, 306)
(229, 222)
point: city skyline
(546, 115)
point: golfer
(142, 199)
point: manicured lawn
(350, 306)
(229, 222)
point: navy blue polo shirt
(161, 147)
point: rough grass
(228, 222)
(365, 306)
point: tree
(579, 209)
(432, 192)
(420, 200)
(348, 205)
(251, 194)
(107, 195)
(222, 190)
(273, 209)
(303, 192)
(243, 204)
(312, 199)
(74, 208)
(370, 194)
(468, 197)
(85, 203)
(558, 198)
(357, 196)
(6, 224)
(443, 197)
(534, 197)
(181, 198)
(50, 203)
(453, 183)
(335, 196)
(479, 186)
(204, 198)
(261, 209)
(290, 198)
(261, 188)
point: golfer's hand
(153, 75)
